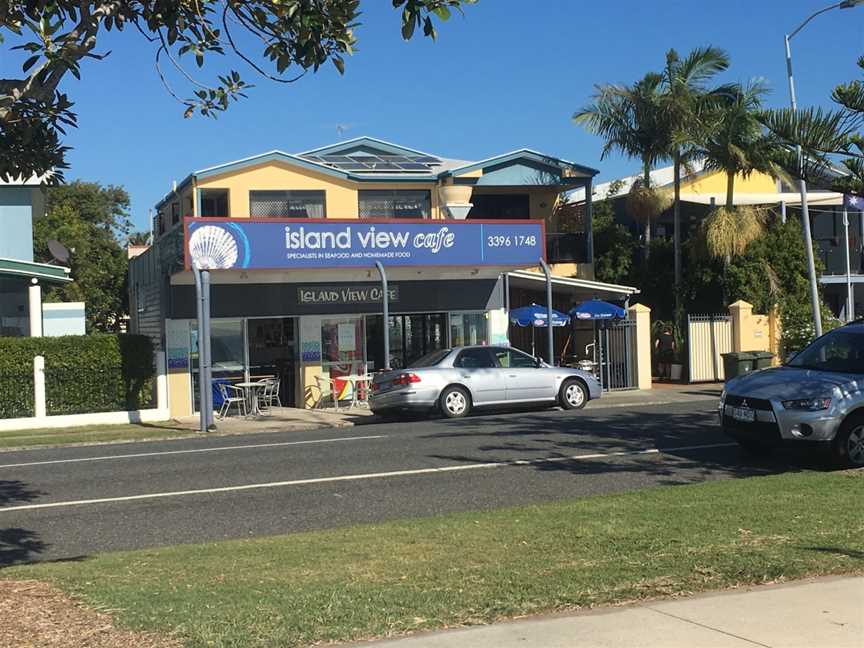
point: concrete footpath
(824, 613)
(284, 419)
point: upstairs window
(214, 203)
(286, 204)
(395, 204)
(175, 213)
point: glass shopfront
(249, 349)
(411, 337)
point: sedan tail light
(406, 379)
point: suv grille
(752, 403)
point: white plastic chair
(326, 387)
(232, 395)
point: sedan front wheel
(573, 394)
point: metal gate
(616, 354)
(708, 337)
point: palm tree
(732, 138)
(685, 100)
(733, 141)
(630, 120)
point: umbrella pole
(532, 340)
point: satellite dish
(58, 251)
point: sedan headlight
(808, 404)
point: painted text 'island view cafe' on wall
(292, 242)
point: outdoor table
(251, 389)
(356, 380)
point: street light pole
(805, 212)
(802, 185)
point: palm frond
(728, 232)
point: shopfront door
(272, 353)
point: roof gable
(524, 166)
(364, 144)
(264, 158)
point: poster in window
(347, 337)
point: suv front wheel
(848, 446)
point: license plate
(742, 414)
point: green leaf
(30, 62)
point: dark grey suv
(817, 397)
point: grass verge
(90, 434)
(385, 579)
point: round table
(251, 389)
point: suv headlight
(808, 404)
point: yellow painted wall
(180, 392)
(715, 183)
(340, 195)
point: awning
(814, 198)
(42, 271)
(581, 289)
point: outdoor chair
(269, 395)
(326, 387)
(232, 395)
(272, 396)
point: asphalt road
(71, 502)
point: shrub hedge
(83, 373)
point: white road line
(194, 450)
(362, 476)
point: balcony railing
(567, 247)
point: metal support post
(385, 307)
(208, 364)
(202, 381)
(550, 336)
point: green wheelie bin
(762, 359)
(737, 363)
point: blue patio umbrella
(536, 316)
(595, 309)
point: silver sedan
(457, 380)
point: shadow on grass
(855, 554)
(18, 545)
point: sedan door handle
(512, 376)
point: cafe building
(295, 245)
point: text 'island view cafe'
(296, 253)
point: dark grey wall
(267, 300)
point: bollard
(39, 409)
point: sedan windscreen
(840, 350)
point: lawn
(386, 579)
(91, 434)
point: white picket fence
(42, 420)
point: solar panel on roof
(414, 166)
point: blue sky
(507, 75)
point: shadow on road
(18, 545)
(659, 444)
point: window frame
(287, 197)
(511, 353)
(392, 194)
(227, 193)
(493, 362)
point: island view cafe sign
(272, 243)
